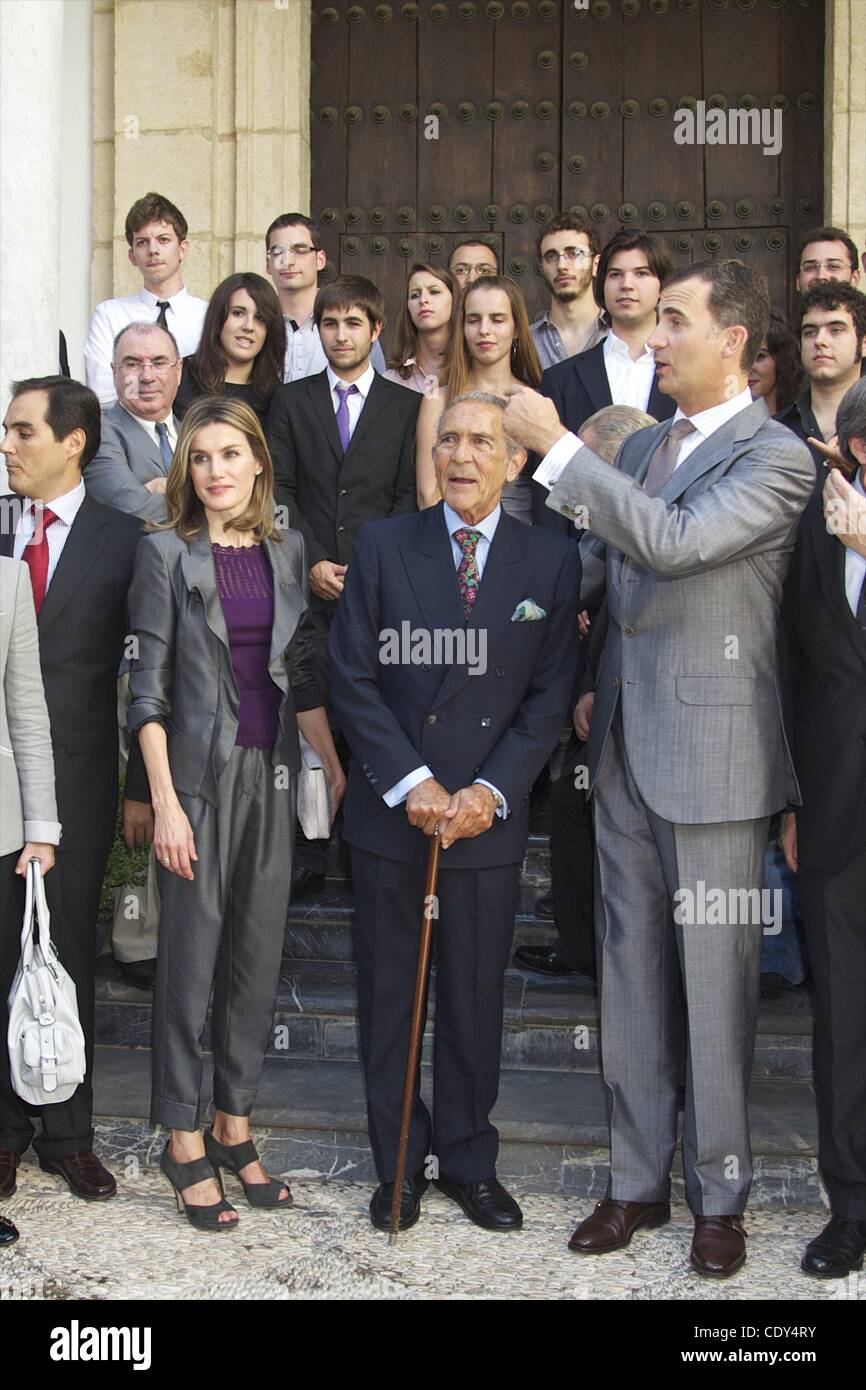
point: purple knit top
(246, 590)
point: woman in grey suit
(29, 828)
(220, 683)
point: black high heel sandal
(182, 1175)
(234, 1157)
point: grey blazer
(28, 807)
(693, 584)
(127, 458)
(182, 675)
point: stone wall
(218, 121)
(845, 117)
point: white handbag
(314, 808)
(46, 1042)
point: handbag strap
(35, 909)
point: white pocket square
(527, 611)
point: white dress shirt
(184, 316)
(150, 425)
(305, 355)
(65, 508)
(855, 565)
(630, 381)
(357, 399)
(487, 527)
(706, 422)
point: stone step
(310, 1120)
(550, 1023)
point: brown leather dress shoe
(8, 1167)
(718, 1246)
(87, 1177)
(613, 1224)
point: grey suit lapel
(713, 451)
(139, 438)
(198, 571)
(289, 606)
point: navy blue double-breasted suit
(499, 724)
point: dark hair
(474, 241)
(738, 296)
(293, 219)
(631, 239)
(525, 362)
(784, 349)
(829, 234)
(350, 291)
(406, 335)
(851, 419)
(834, 294)
(209, 364)
(569, 222)
(153, 207)
(71, 406)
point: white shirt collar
(150, 425)
(363, 383)
(151, 300)
(65, 507)
(614, 346)
(487, 527)
(706, 422)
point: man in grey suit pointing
(687, 756)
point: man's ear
(516, 462)
(377, 330)
(184, 248)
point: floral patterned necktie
(468, 578)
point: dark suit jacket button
(431, 718)
(426, 666)
(500, 670)
(615, 682)
(485, 723)
(340, 530)
(628, 632)
(343, 491)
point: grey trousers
(224, 928)
(675, 987)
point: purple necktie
(344, 392)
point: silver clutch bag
(314, 806)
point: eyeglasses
(463, 269)
(834, 267)
(571, 253)
(134, 366)
(281, 253)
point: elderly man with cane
(453, 660)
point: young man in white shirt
(294, 257)
(157, 235)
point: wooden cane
(422, 976)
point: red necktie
(35, 554)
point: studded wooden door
(433, 121)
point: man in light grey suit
(139, 431)
(687, 755)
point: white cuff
(399, 792)
(501, 804)
(555, 460)
(42, 832)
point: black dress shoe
(140, 973)
(304, 882)
(542, 959)
(410, 1203)
(8, 1169)
(486, 1203)
(837, 1251)
(8, 1233)
(545, 908)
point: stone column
(222, 128)
(31, 41)
(845, 117)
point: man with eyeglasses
(469, 260)
(567, 249)
(139, 432)
(294, 258)
(157, 235)
(826, 253)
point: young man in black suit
(80, 555)
(832, 331)
(458, 734)
(824, 668)
(343, 444)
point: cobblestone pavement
(138, 1247)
